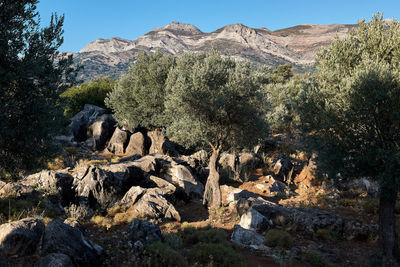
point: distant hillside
(296, 45)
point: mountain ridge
(296, 45)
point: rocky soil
(121, 198)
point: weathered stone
(102, 185)
(182, 177)
(53, 182)
(143, 231)
(248, 238)
(166, 187)
(307, 176)
(283, 169)
(20, 238)
(136, 145)
(149, 203)
(253, 220)
(101, 130)
(62, 238)
(14, 190)
(83, 119)
(54, 260)
(118, 141)
(249, 160)
(233, 194)
(227, 162)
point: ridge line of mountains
(295, 45)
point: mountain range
(296, 45)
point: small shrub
(315, 259)
(175, 241)
(210, 254)
(327, 235)
(275, 237)
(161, 254)
(93, 93)
(194, 236)
(102, 221)
(371, 206)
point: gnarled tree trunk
(387, 227)
(212, 192)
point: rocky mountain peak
(181, 28)
(114, 44)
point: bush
(161, 254)
(275, 237)
(215, 255)
(315, 259)
(327, 235)
(194, 236)
(93, 93)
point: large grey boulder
(149, 203)
(248, 238)
(283, 169)
(101, 130)
(52, 182)
(182, 177)
(136, 145)
(103, 185)
(20, 238)
(144, 231)
(118, 141)
(253, 220)
(62, 238)
(14, 189)
(55, 260)
(81, 121)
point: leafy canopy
(32, 76)
(138, 98)
(352, 103)
(213, 100)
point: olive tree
(213, 101)
(351, 110)
(138, 97)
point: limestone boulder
(21, 238)
(101, 130)
(81, 121)
(136, 145)
(62, 238)
(118, 142)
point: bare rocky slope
(296, 45)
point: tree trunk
(387, 227)
(212, 192)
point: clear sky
(88, 20)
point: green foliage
(315, 259)
(32, 77)
(161, 254)
(327, 235)
(275, 237)
(281, 112)
(352, 104)
(214, 100)
(193, 236)
(138, 97)
(93, 92)
(211, 254)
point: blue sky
(88, 20)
